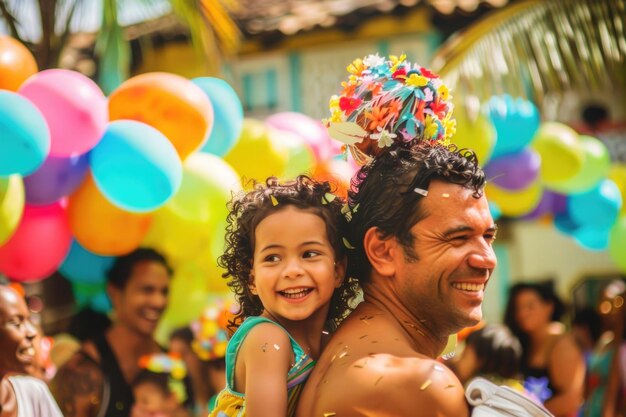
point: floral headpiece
(170, 364)
(211, 330)
(386, 102)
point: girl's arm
(262, 365)
(567, 374)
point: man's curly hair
(248, 211)
(382, 194)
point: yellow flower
(416, 80)
(431, 128)
(336, 116)
(333, 104)
(450, 126)
(356, 67)
(444, 92)
(395, 61)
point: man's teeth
(152, 315)
(469, 287)
(29, 351)
(296, 292)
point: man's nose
(484, 258)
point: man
(96, 381)
(421, 233)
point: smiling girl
(285, 256)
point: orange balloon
(168, 102)
(16, 63)
(338, 173)
(101, 227)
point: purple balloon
(56, 178)
(514, 171)
(550, 202)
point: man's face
(17, 349)
(445, 284)
(140, 304)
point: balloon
(516, 121)
(74, 108)
(187, 295)
(592, 238)
(11, 205)
(183, 227)
(300, 159)
(338, 172)
(93, 296)
(477, 134)
(255, 156)
(596, 165)
(617, 243)
(39, 245)
(514, 171)
(312, 131)
(228, 113)
(174, 105)
(56, 178)
(496, 213)
(550, 203)
(84, 266)
(561, 152)
(16, 63)
(515, 203)
(25, 138)
(102, 228)
(565, 224)
(617, 174)
(598, 207)
(135, 166)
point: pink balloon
(39, 245)
(74, 107)
(312, 131)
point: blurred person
(20, 395)
(96, 380)
(159, 387)
(494, 353)
(553, 365)
(606, 388)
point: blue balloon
(135, 166)
(496, 213)
(56, 178)
(24, 135)
(82, 266)
(597, 208)
(565, 224)
(516, 121)
(592, 238)
(228, 115)
(101, 303)
(92, 295)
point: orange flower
(348, 89)
(375, 88)
(378, 117)
(394, 108)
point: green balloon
(11, 205)
(617, 243)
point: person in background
(159, 387)
(553, 365)
(96, 380)
(606, 388)
(21, 395)
(494, 353)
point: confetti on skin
(363, 337)
(425, 385)
(276, 346)
(374, 341)
(378, 380)
(438, 368)
(343, 354)
(358, 366)
(450, 386)
(264, 347)
(445, 195)
(274, 201)
(330, 414)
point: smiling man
(96, 381)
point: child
(285, 254)
(159, 389)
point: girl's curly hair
(248, 211)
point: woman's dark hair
(545, 291)
(498, 351)
(248, 211)
(88, 323)
(122, 268)
(590, 320)
(382, 194)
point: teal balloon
(24, 135)
(592, 238)
(228, 115)
(516, 121)
(496, 213)
(82, 266)
(92, 295)
(135, 166)
(598, 207)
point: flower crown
(211, 330)
(170, 364)
(386, 102)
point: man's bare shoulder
(387, 385)
(77, 386)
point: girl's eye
(310, 254)
(272, 258)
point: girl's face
(531, 311)
(294, 271)
(151, 401)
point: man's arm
(77, 387)
(384, 385)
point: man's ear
(381, 252)
(340, 271)
(114, 295)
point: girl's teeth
(295, 293)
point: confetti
(450, 386)
(343, 354)
(276, 346)
(445, 195)
(420, 191)
(330, 414)
(425, 385)
(264, 347)
(274, 201)
(378, 380)
(363, 337)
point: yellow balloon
(617, 173)
(256, 156)
(561, 152)
(478, 135)
(515, 203)
(11, 205)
